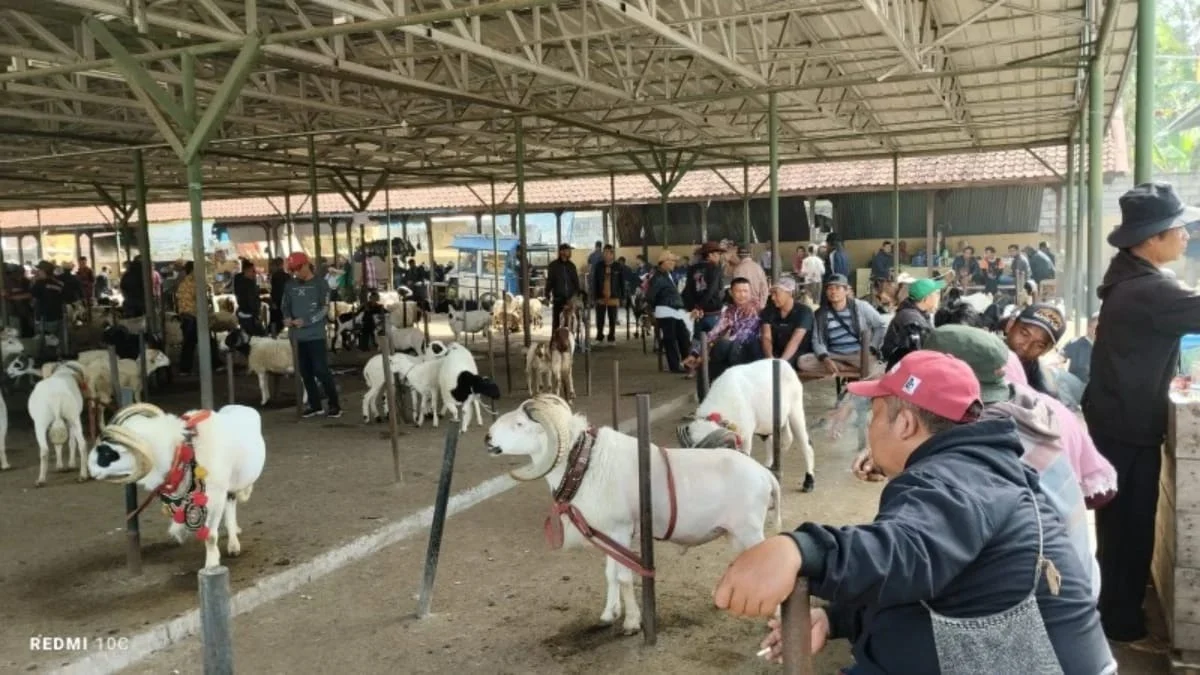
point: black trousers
(611, 312)
(1125, 536)
(723, 355)
(675, 342)
(556, 310)
(314, 367)
(187, 353)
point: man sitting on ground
(962, 533)
(838, 327)
(786, 324)
(733, 340)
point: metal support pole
(587, 350)
(496, 290)
(1143, 123)
(203, 307)
(216, 621)
(299, 382)
(429, 282)
(393, 403)
(1095, 181)
(439, 518)
(616, 393)
(139, 175)
(316, 213)
(776, 420)
(665, 206)
(1071, 263)
(612, 211)
(703, 367)
(746, 204)
(4, 284)
(387, 232)
(1081, 247)
(287, 214)
(519, 125)
(776, 264)
(558, 214)
(646, 500)
(133, 531)
(229, 383)
(930, 204)
(704, 220)
(796, 615)
(896, 212)
(605, 217)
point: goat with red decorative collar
(200, 464)
(698, 494)
(738, 407)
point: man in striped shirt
(838, 330)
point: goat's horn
(554, 423)
(135, 410)
(136, 445)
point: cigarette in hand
(763, 652)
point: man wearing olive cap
(1136, 354)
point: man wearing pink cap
(965, 569)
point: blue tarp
(483, 242)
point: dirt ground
(521, 607)
(63, 570)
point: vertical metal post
(558, 214)
(665, 206)
(773, 132)
(498, 292)
(199, 235)
(1081, 247)
(930, 241)
(1095, 181)
(133, 532)
(519, 124)
(587, 350)
(316, 213)
(896, 212)
(746, 230)
(439, 518)
(4, 284)
(616, 393)
(646, 500)
(139, 175)
(216, 621)
(287, 211)
(429, 282)
(385, 350)
(299, 381)
(229, 384)
(612, 210)
(605, 217)
(387, 231)
(1143, 122)
(704, 220)
(704, 382)
(1071, 263)
(797, 631)
(776, 420)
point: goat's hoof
(608, 617)
(378, 420)
(80, 479)
(233, 549)
(808, 484)
(4, 467)
(631, 628)
(39, 484)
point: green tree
(1176, 87)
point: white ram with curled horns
(200, 464)
(698, 494)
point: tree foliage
(1176, 87)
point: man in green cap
(913, 320)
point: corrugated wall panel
(991, 210)
(724, 222)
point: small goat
(470, 322)
(373, 374)
(717, 492)
(265, 357)
(202, 464)
(55, 406)
(458, 360)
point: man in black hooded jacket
(1135, 356)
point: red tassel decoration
(202, 533)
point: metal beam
(136, 75)
(234, 80)
(1095, 181)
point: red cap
(932, 381)
(296, 260)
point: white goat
(97, 375)
(549, 365)
(142, 445)
(470, 322)
(458, 359)
(55, 406)
(424, 382)
(265, 356)
(716, 491)
(404, 314)
(538, 377)
(404, 339)
(738, 406)
(373, 374)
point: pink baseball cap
(932, 381)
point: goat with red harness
(698, 494)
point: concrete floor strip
(273, 587)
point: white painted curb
(168, 633)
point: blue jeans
(313, 360)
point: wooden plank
(1187, 484)
(1186, 638)
(1183, 437)
(1186, 595)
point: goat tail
(243, 495)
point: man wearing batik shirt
(734, 339)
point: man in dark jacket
(959, 531)
(562, 282)
(249, 304)
(279, 279)
(881, 264)
(1041, 267)
(608, 290)
(1136, 354)
(913, 320)
(664, 301)
(702, 292)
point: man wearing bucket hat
(1136, 354)
(913, 320)
(702, 293)
(961, 530)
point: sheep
(98, 377)
(738, 406)
(404, 339)
(201, 464)
(424, 382)
(373, 374)
(265, 356)
(535, 313)
(404, 314)
(225, 302)
(716, 491)
(55, 406)
(473, 321)
(458, 359)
